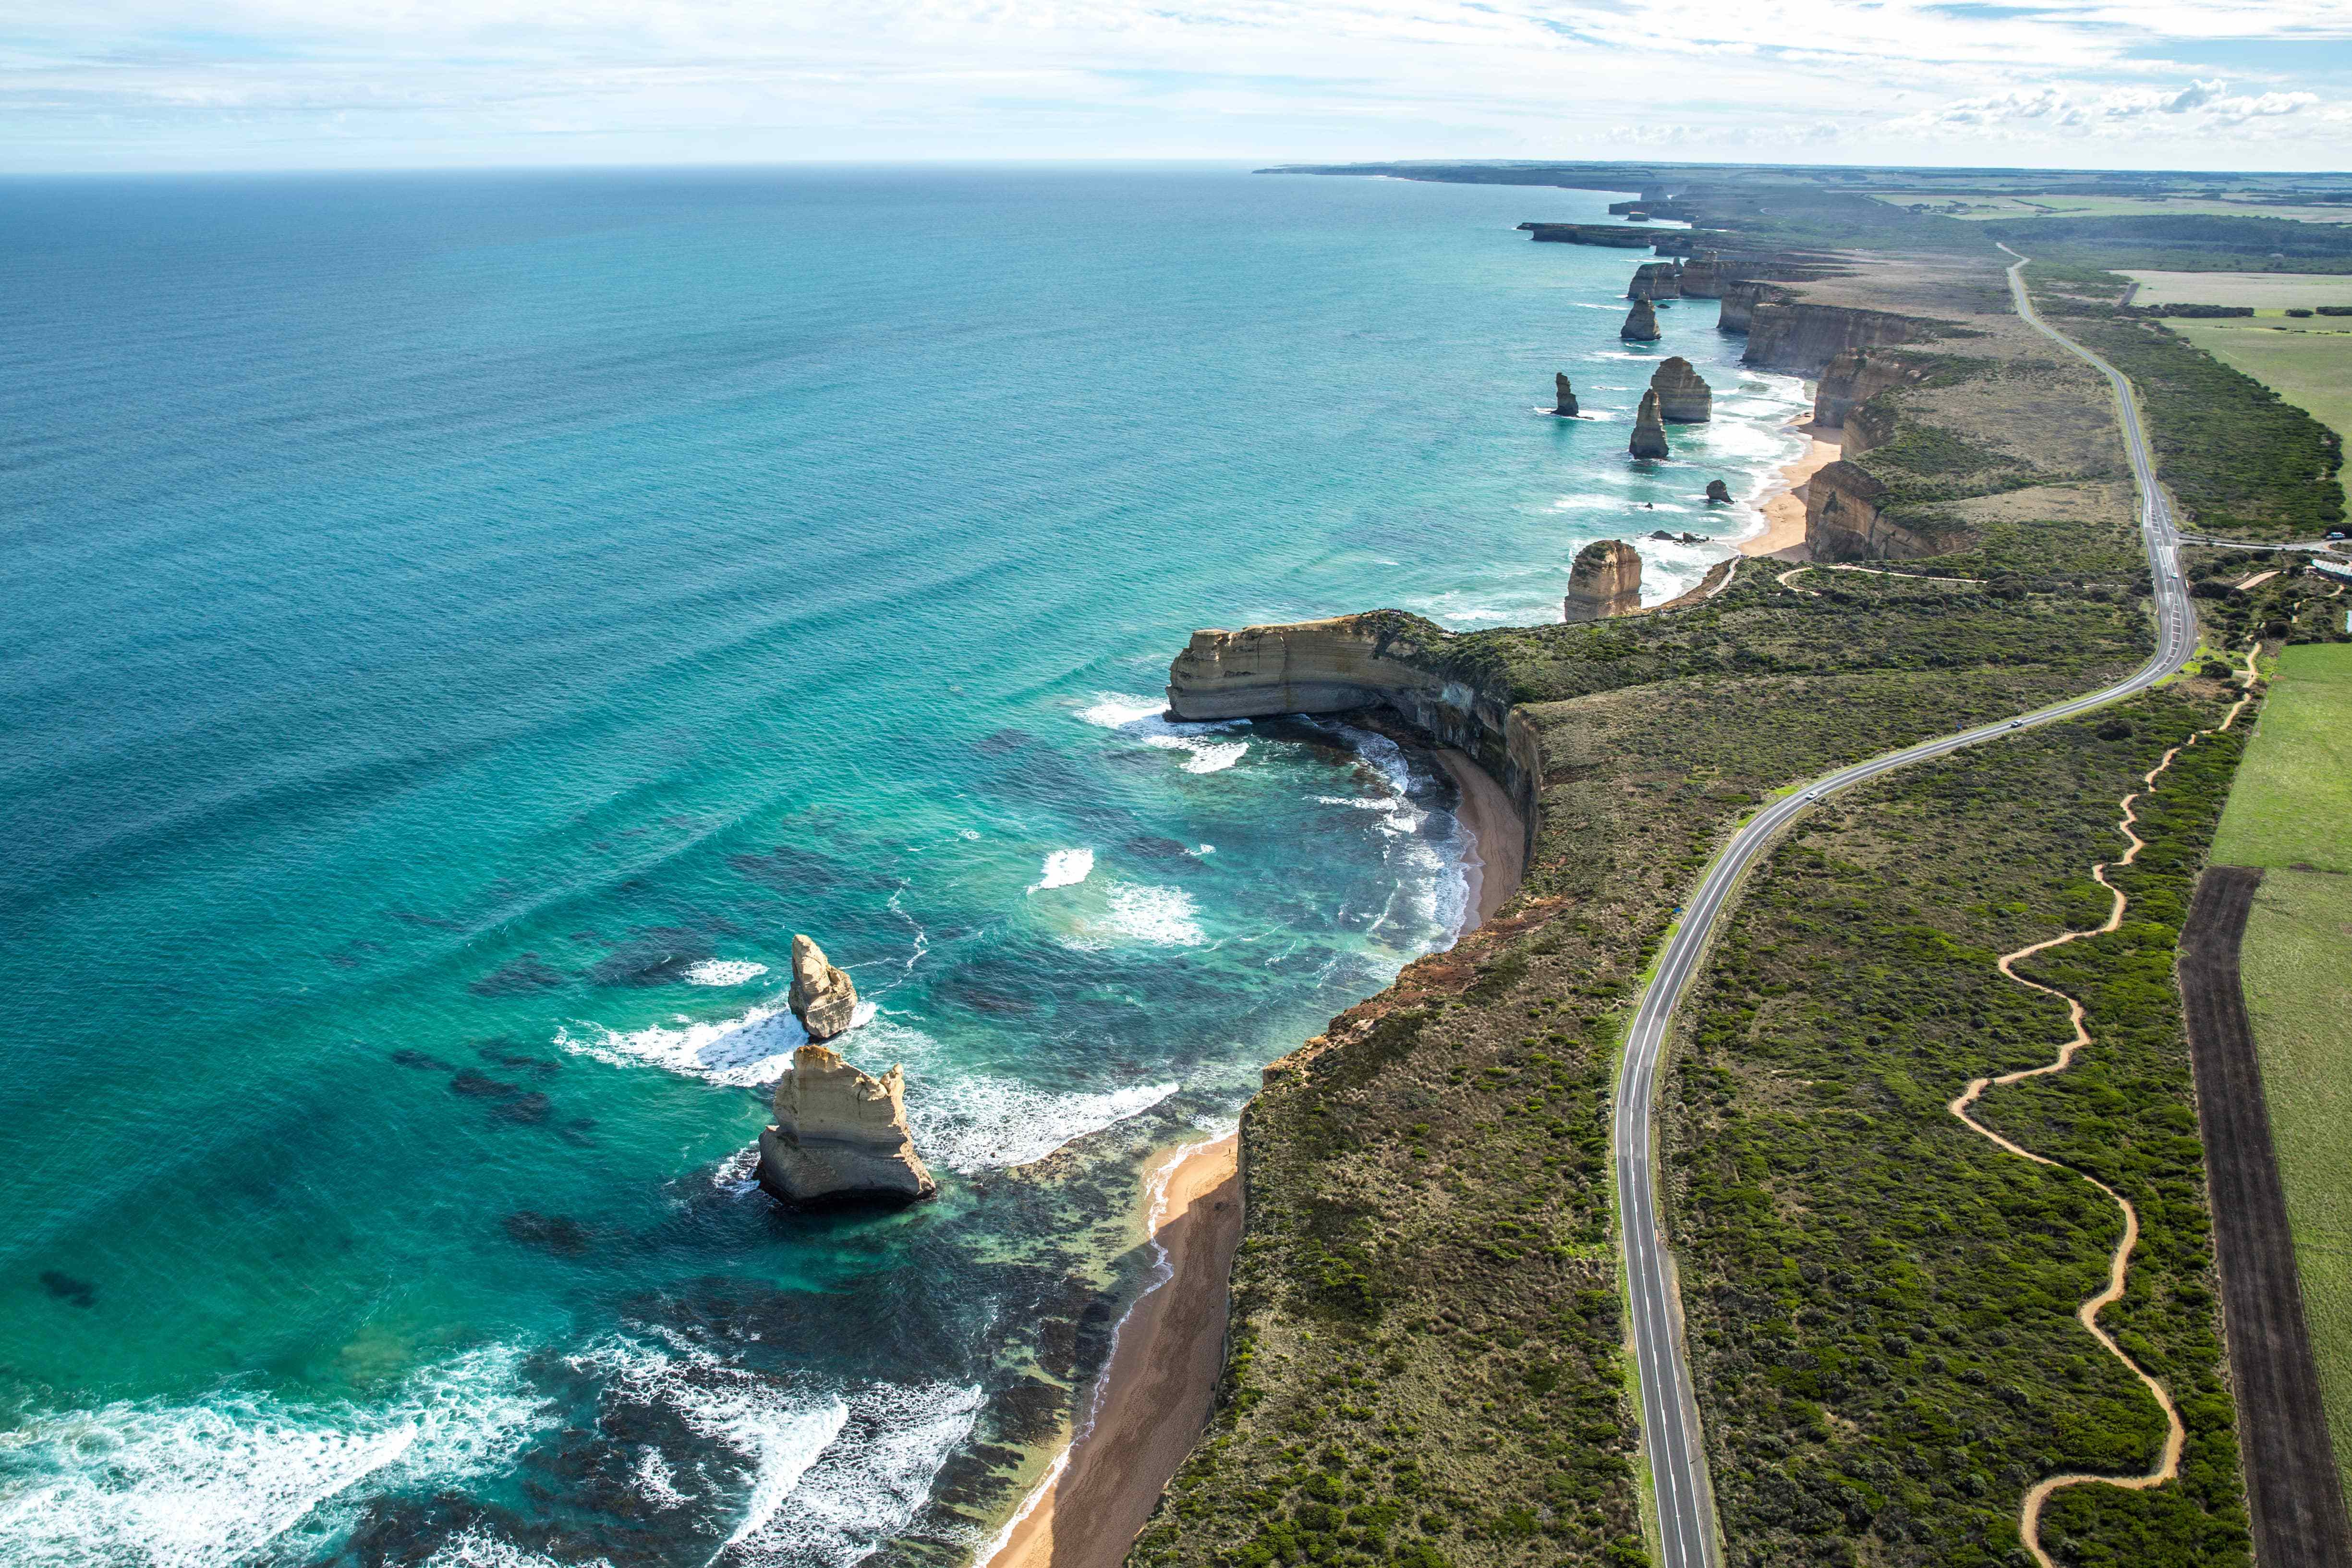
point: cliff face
(1655, 280)
(1605, 580)
(1740, 298)
(1872, 424)
(1588, 234)
(1683, 397)
(1802, 340)
(1649, 430)
(1641, 323)
(1843, 522)
(840, 1136)
(1383, 658)
(1704, 276)
(1853, 379)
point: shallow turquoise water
(458, 628)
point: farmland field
(2293, 795)
(2262, 290)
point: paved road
(1669, 1416)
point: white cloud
(144, 81)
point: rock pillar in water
(1641, 323)
(822, 998)
(1649, 430)
(1605, 580)
(1566, 409)
(840, 1136)
(1718, 493)
(1683, 397)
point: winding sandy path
(2088, 1314)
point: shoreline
(1153, 1397)
(1782, 536)
(1497, 861)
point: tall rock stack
(1683, 397)
(1567, 395)
(841, 1136)
(1649, 430)
(822, 998)
(1641, 323)
(1655, 280)
(1605, 580)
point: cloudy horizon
(123, 85)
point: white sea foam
(834, 1471)
(1141, 720)
(724, 972)
(1165, 917)
(744, 1051)
(1065, 869)
(989, 1123)
(211, 1482)
(473, 1549)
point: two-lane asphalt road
(1686, 1524)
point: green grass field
(2298, 964)
(2263, 290)
(2308, 365)
(2292, 803)
(2046, 204)
(2290, 807)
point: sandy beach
(1499, 849)
(1153, 1399)
(1784, 505)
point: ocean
(458, 628)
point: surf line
(2175, 1436)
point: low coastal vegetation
(1880, 1303)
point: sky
(125, 85)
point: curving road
(1686, 1525)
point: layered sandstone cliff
(1566, 407)
(1704, 276)
(840, 1136)
(1853, 379)
(1641, 323)
(1649, 438)
(1381, 659)
(1844, 519)
(1606, 581)
(1655, 280)
(1683, 397)
(1802, 340)
(1740, 298)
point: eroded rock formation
(822, 998)
(1648, 431)
(1843, 521)
(840, 1136)
(1655, 280)
(1739, 302)
(1641, 323)
(1853, 379)
(1802, 340)
(1567, 395)
(1704, 276)
(1605, 580)
(1683, 397)
(1718, 493)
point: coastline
(1782, 536)
(1153, 1397)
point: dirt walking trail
(2030, 1520)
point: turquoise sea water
(456, 629)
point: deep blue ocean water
(456, 629)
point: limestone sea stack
(822, 998)
(1641, 323)
(1683, 397)
(1566, 409)
(1605, 580)
(1649, 430)
(840, 1136)
(1718, 493)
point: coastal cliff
(1853, 378)
(1381, 659)
(1802, 340)
(1740, 297)
(1845, 520)
(1655, 280)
